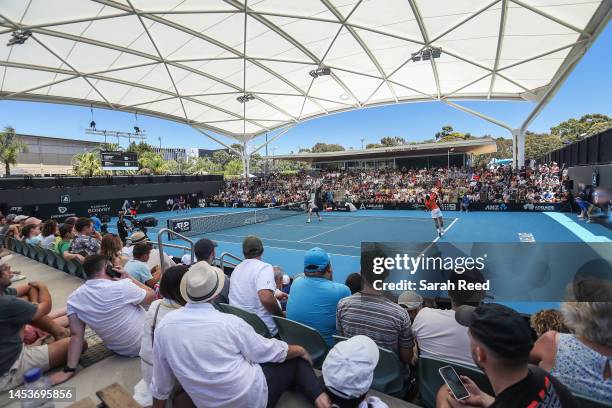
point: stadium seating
(588, 402)
(297, 333)
(251, 318)
(430, 381)
(388, 376)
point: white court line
(291, 249)
(287, 240)
(436, 239)
(331, 230)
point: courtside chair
(27, 250)
(40, 255)
(60, 262)
(49, 258)
(293, 332)
(388, 374)
(430, 381)
(251, 318)
(588, 402)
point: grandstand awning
(475, 146)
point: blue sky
(587, 90)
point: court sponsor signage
(202, 202)
(448, 206)
(65, 198)
(181, 226)
(252, 205)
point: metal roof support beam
(478, 114)
(273, 139)
(208, 135)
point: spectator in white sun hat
(348, 371)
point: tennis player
(312, 208)
(432, 205)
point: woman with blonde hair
(110, 248)
(582, 360)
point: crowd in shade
(164, 318)
(498, 184)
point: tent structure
(246, 68)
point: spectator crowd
(165, 318)
(500, 184)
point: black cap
(204, 248)
(252, 245)
(500, 328)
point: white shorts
(30, 357)
(436, 213)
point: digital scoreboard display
(119, 161)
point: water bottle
(37, 390)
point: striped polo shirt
(376, 317)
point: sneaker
(439, 234)
(589, 221)
(308, 222)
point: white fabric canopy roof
(188, 60)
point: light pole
(362, 140)
(159, 138)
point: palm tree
(87, 165)
(10, 148)
(154, 162)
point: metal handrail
(223, 261)
(160, 245)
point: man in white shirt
(436, 331)
(253, 284)
(110, 303)
(219, 359)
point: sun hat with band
(138, 237)
(201, 283)
(348, 369)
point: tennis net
(190, 226)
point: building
(49, 155)
(418, 155)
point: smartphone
(112, 272)
(451, 378)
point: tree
(446, 130)
(304, 150)
(233, 167)
(575, 129)
(539, 144)
(87, 164)
(10, 148)
(504, 151)
(373, 146)
(139, 148)
(392, 141)
(152, 161)
(108, 147)
(201, 165)
(221, 158)
(327, 147)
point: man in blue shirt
(314, 297)
(97, 222)
(138, 269)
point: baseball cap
(410, 299)
(138, 237)
(203, 248)
(20, 218)
(252, 245)
(10, 217)
(499, 327)
(348, 369)
(186, 259)
(32, 221)
(201, 283)
(315, 260)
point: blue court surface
(341, 234)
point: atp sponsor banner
(495, 207)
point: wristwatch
(69, 370)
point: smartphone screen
(451, 378)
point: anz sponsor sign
(496, 207)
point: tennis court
(341, 234)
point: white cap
(186, 259)
(410, 299)
(286, 279)
(348, 369)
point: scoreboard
(119, 161)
